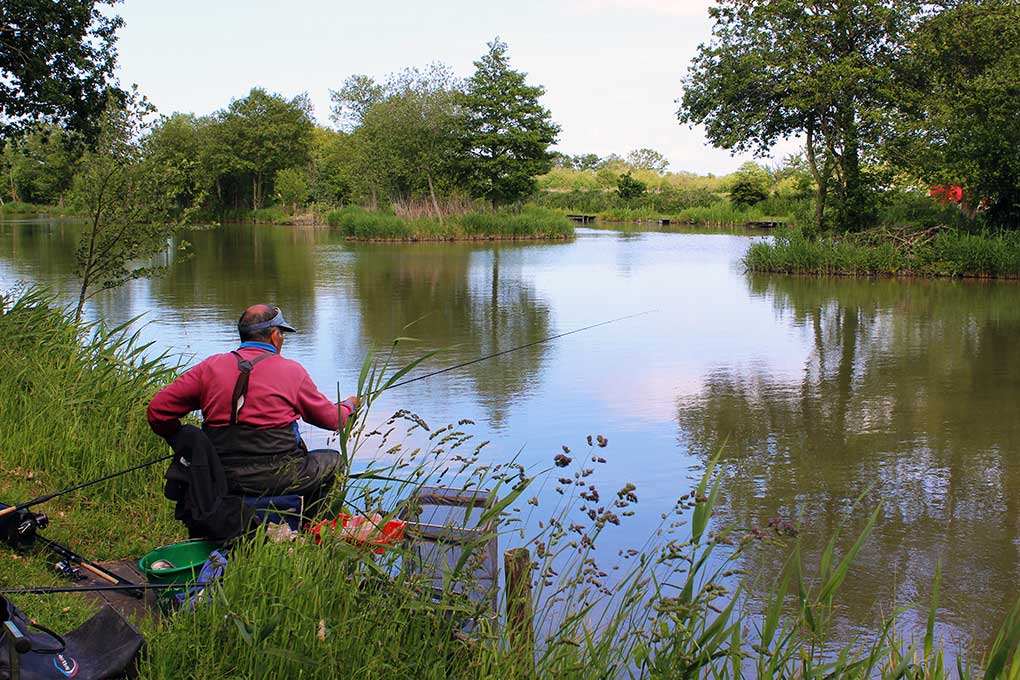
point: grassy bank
(18, 209)
(530, 223)
(884, 252)
(676, 605)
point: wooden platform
(130, 607)
(583, 219)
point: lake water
(816, 390)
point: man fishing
(251, 399)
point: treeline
(420, 139)
(886, 94)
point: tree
(56, 63)
(778, 69)
(128, 204)
(586, 161)
(959, 122)
(627, 187)
(265, 133)
(292, 187)
(403, 130)
(749, 185)
(39, 165)
(506, 133)
(648, 159)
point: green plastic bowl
(187, 558)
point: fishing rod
(42, 499)
(514, 349)
(48, 590)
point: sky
(612, 69)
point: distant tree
(561, 160)
(292, 187)
(776, 69)
(333, 172)
(56, 63)
(351, 102)
(749, 185)
(586, 161)
(176, 147)
(403, 131)
(40, 164)
(627, 187)
(262, 134)
(506, 133)
(129, 205)
(648, 159)
(960, 123)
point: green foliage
(958, 91)
(40, 164)
(291, 187)
(129, 204)
(627, 187)
(403, 139)
(529, 223)
(56, 63)
(262, 134)
(750, 185)
(506, 132)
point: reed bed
(529, 223)
(934, 252)
(676, 605)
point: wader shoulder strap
(241, 386)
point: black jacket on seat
(195, 480)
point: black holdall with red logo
(105, 646)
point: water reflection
(908, 390)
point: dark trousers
(311, 475)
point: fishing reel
(18, 529)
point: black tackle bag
(105, 646)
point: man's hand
(355, 402)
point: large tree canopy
(56, 63)
(777, 69)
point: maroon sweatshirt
(279, 392)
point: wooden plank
(520, 617)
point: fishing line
(42, 499)
(514, 349)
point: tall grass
(529, 223)
(944, 252)
(73, 395)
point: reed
(933, 252)
(530, 223)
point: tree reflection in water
(909, 389)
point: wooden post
(519, 614)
